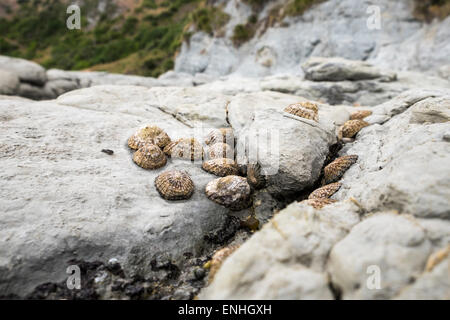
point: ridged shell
(224, 135)
(185, 148)
(151, 134)
(232, 192)
(174, 185)
(255, 176)
(319, 203)
(149, 156)
(305, 110)
(218, 259)
(360, 114)
(325, 191)
(221, 167)
(220, 150)
(336, 169)
(352, 127)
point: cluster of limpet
(307, 110)
(351, 128)
(150, 134)
(361, 114)
(185, 148)
(336, 169)
(149, 156)
(325, 191)
(231, 191)
(221, 167)
(174, 185)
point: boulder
(380, 256)
(294, 245)
(339, 69)
(27, 71)
(9, 83)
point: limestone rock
(27, 71)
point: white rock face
(294, 245)
(402, 163)
(334, 28)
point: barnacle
(232, 191)
(220, 150)
(255, 176)
(149, 156)
(325, 191)
(319, 203)
(174, 185)
(351, 128)
(336, 169)
(360, 114)
(224, 135)
(307, 110)
(221, 167)
(185, 148)
(151, 134)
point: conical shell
(305, 110)
(220, 150)
(325, 191)
(151, 134)
(255, 176)
(174, 185)
(352, 127)
(361, 114)
(218, 259)
(336, 169)
(149, 156)
(185, 148)
(232, 192)
(319, 203)
(224, 135)
(221, 167)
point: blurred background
(253, 37)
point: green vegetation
(298, 7)
(209, 19)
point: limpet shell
(305, 110)
(255, 176)
(351, 128)
(336, 169)
(149, 156)
(360, 114)
(224, 135)
(319, 203)
(325, 191)
(174, 185)
(221, 167)
(218, 259)
(220, 150)
(150, 134)
(232, 191)
(185, 148)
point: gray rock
(391, 246)
(402, 162)
(9, 83)
(286, 259)
(31, 91)
(27, 71)
(339, 69)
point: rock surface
(27, 71)
(64, 199)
